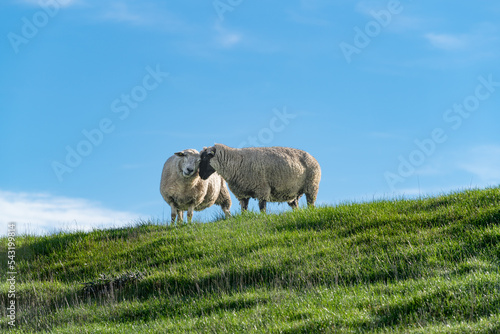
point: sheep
(269, 174)
(183, 189)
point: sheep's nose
(189, 170)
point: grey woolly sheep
(269, 174)
(183, 189)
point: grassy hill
(410, 266)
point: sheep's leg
(190, 214)
(311, 199)
(294, 204)
(224, 199)
(173, 215)
(225, 208)
(180, 217)
(262, 205)
(311, 193)
(244, 204)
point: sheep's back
(282, 171)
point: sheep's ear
(211, 151)
(180, 154)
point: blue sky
(392, 98)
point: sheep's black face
(205, 168)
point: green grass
(430, 265)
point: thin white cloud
(121, 12)
(38, 3)
(484, 163)
(447, 41)
(479, 43)
(140, 14)
(40, 213)
(229, 39)
(225, 37)
(477, 167)
(400, 22)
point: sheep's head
(189, 163)
(206, 168)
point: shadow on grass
(194, 307)
(476, 302)
(472, 301)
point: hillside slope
(411, 266)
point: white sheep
(183, 189)
(269, 174)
